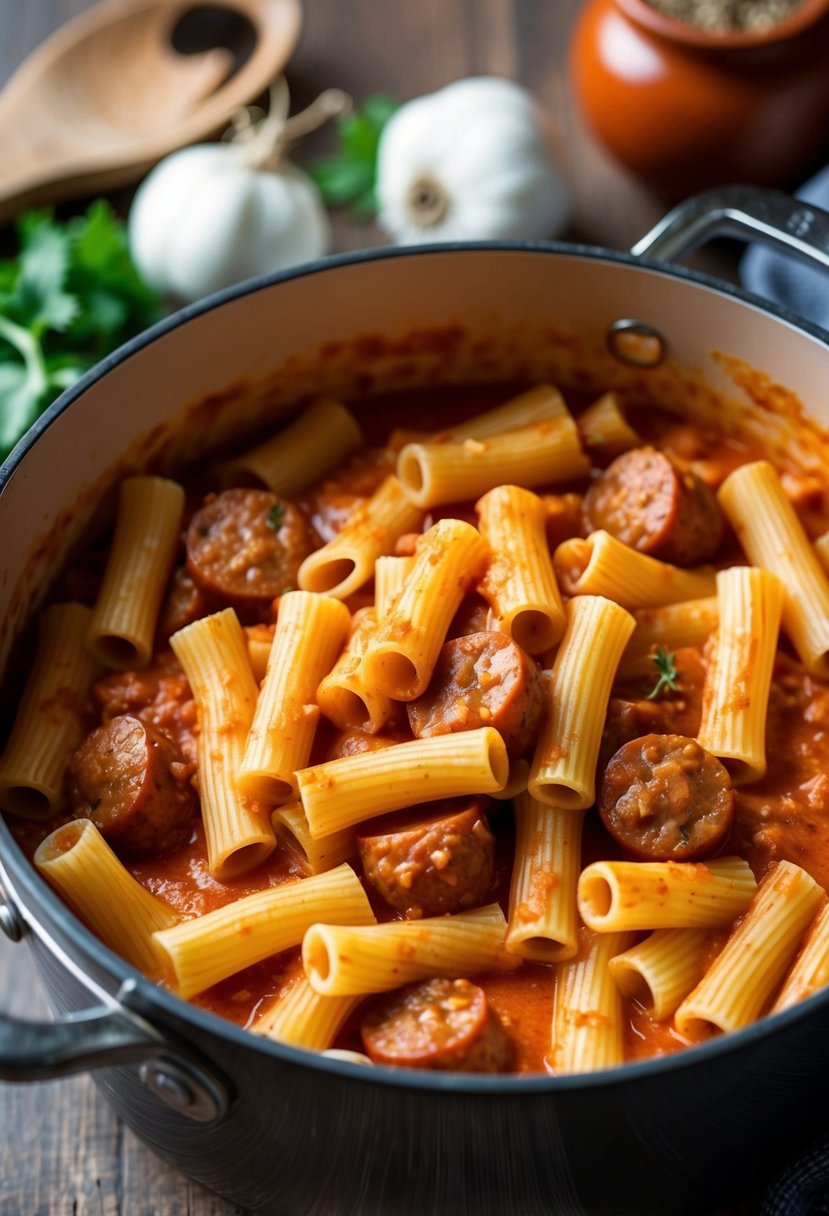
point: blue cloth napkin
(785, 280)
(802, 1189)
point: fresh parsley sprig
(348, 179)
(70, 296)
(668, 680)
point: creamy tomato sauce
(783, 816)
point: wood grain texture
(62, 1152)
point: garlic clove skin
(204, 219)
(469, 162)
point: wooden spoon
(106, 96)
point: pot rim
(25, 878)
(801, 19)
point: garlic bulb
(469, 162)
(211, 215)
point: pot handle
(751, 213)
(108, 1035)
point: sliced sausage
(649, 503)
(665, 798)
(482, 679)
(159, 695)
(443, 1024)
(432, 859)
(185, 603)
(131, 781)
(246, 546)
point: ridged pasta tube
(735, 989)
(303, 451)
(77, 861)
(140, 560)
(587, 1032)
(316, 856)
(563, 770)
(603, 565)
(810, 970)
(773, 537)
(540, 454)
(213, 653)
(661, 971)
(617, 895)
(344, 696)
(340, 793)
(203, 951)
(341, 960)
(304, 1018)
(543, 919)
(400, 658)
(519, 583)
(735, 695)
(310, 633)
(347, 562)
(50, 720)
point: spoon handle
(106, 96)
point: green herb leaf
(348, 178)
(668, 680)
(70, 296)
(275, 516)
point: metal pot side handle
(108, 1037)
(111, 1034)
(750, 213)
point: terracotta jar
(686, 108)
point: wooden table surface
(62, 1152)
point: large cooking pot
(277, 1129)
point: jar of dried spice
(693, 93)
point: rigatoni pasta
(602, 565)
(142, 555)
(773, 537)
(339, 960)
(303, 1018)
(743, 977)
(310, 633)
(400, 656)
(519, 583)
(660, 971)
(543, 453)
(444, 722)
(619, 895)
(736, 692)
(50, 718)
(316, 441)
(346, 563)
(200, 952)
(563, 771)
(587, 1030)
(77, 861)
(543, 918)
(340, 793)
(213, 653)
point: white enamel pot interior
(359, 326)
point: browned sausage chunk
(665, 798)
(246, 546)
(431, 859)
(127, 778)
(482, 679)
(443, 1024)
(645, 500)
